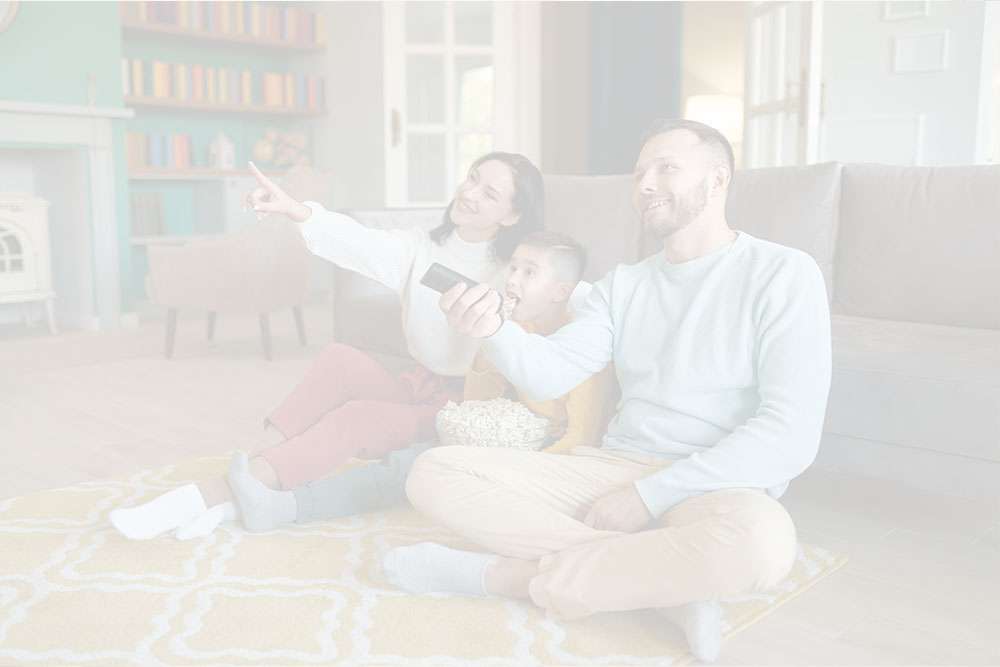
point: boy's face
(534, 284)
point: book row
(279, 22)
(202, 84)
(162, 151)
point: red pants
(347, 406)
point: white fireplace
(67, 152)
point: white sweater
(724, 364)
(398, 259)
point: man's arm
(544, 368)
(793, 361)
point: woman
(348, 404)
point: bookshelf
(134, 28)
(189, 174)
(214, 84)
(178, 105)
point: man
(721, 344)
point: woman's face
(484, 202)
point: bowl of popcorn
(498, 422)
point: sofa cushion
(918, 385)
(920, 244)
(793, 206)
(597, 212)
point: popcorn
(495, 423)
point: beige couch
(911, 256)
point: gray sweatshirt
(723, 360)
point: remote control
(441, 279)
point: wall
(51, 48)
(712, 48)
(870, 110)
(713, 51)
(635, 77)
(608, 70)
(565, 89)
(350, 142)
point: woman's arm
(383, 256)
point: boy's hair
(568, 257)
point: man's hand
(472, 311)
(267, 197)
(621, 510)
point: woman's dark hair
(529, 204)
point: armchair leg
(300, 324)
(210, 326)
(265, 334)
(171, 332)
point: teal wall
(48, 54)
(51, 47)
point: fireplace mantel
(65, 110)
(88, 128)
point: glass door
(448, 75)
(782, 94)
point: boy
(543, 271)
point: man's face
(533, 283)
(672, 182)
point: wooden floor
(922, 586)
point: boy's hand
(473, 311)
(621, 510)
(267, 197)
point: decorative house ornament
(222, 152)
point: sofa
(911, 258)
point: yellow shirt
(576, 418)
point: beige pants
(531, 505)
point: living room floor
(921, 587)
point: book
(223, 78)
(181, 83)
(211, 85)
(272, 89)
(289, 96)
(126, 78)
(137, 80)
(225, 25)
(256, 19)
(238, 26)
(198, 83)
(161, 80)
(246, 88)
(320, 34)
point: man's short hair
(568, 257)
(708, 135)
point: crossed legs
(527, 509)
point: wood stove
(25, 256)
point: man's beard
(687, 208)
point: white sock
(261, 508)
(206, 522)
(434, 568)
(702, 625)
(171, 510)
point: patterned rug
(74, 592)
